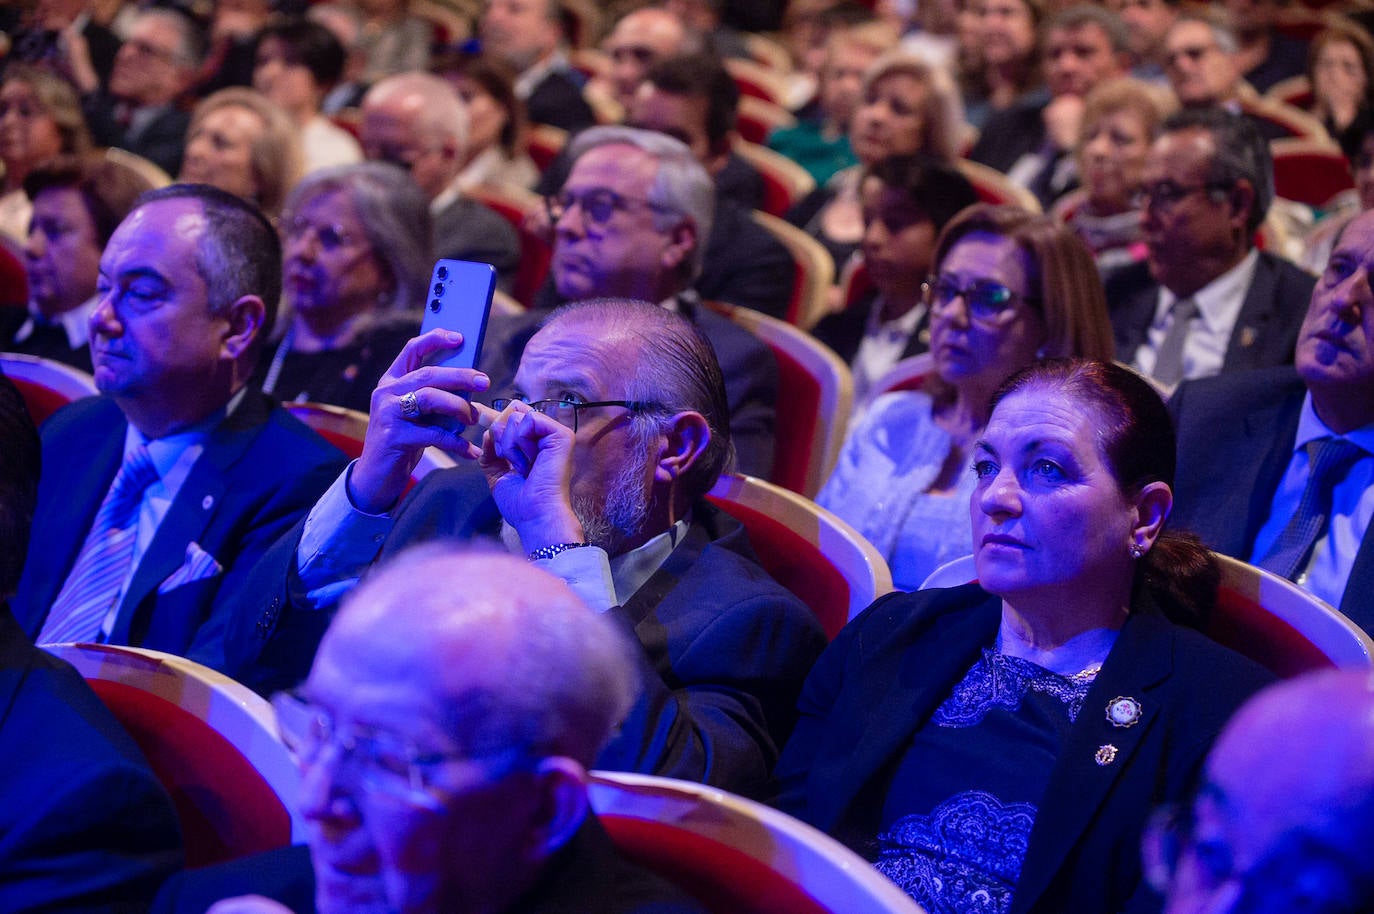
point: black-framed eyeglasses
(987, 299)
(370, 759)
(1166, 194)
(598, 206)
(565, 412)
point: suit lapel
(1270, 433)
(1357, 601)
(1140, 661)
(1243, 349)
(193, 508)
(905, 687)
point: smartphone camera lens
(435, 306)
(438, 289)
(442, 272)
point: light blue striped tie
(104, 561)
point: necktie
(1328, 461)
(105, 557)
(1169, 359)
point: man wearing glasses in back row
(1205, 300)
(597, 469)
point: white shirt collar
(76, 324)
(1219, 302)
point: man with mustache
(1277, 466)
(596, 467)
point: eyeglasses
(987, 299)
(598, 206)
(145, 49)
(565, 412)
(1193, 54)
(372, 760)
(638, 53)
(1166, 194)
(330, 237)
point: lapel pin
(1247, 337)
(207, 502)
(1105, 755)
(1123, 712)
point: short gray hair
(681, 185)
(1075, 17)
(442, 114)
(567, 675)
(192, 50)
(395, 217)
(1220, 24)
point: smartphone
(459, 299)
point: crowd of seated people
(1127, 354)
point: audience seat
(855, 282)
(212, 743)
(1293, 121)
(14, 276)
(813, 271)
(785, 182)
(910, 373)
(994, 187)
(590, 62)
(1298, 22)
(810, 551)
(1260, 615)
(757, 80)
(514, 204)
(737, 856)
(1310, 171)
(813, 410)
(1295, 91)
(768, 53)
(46, 385)
(543, 143)
(144, 168)
(758, 118)
(346, 429)
(349, 120)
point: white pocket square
(198, 566)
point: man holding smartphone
(597, 469)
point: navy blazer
(1266, 330)
(84, 823)
(259, 474)
(888, 671)
(1235, 439)
(726, 648)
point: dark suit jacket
(259, 474)
(558, 102)
(1266, 330)
(1235, 439)
(467, 230)
(743, 263)
(1011, 133)
(843, 331)
(725, 646)
(162, 141)
(84, 823)
(47, 342)
(588, 876)
(888, 671)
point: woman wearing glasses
(1007, 288)
(999, 746)
(356, 258)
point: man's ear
(1152, 505)
(683, 444)
(245, 319)
(562, 789)
(1242, 202)
(682, 241)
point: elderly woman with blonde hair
(244, 144)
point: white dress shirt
(1218, 308)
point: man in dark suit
(1033, 141)
(417, 122)
(1210, 302)
(599, 469)
(86, 825)
(158, 497)
(138, 110)
(528, 35)
(1251, 445)
(510, 694)
(632, 216)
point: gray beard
(619, 519)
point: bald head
(503, 653)
(1288, 804)
(639, 40)
(416, 120)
